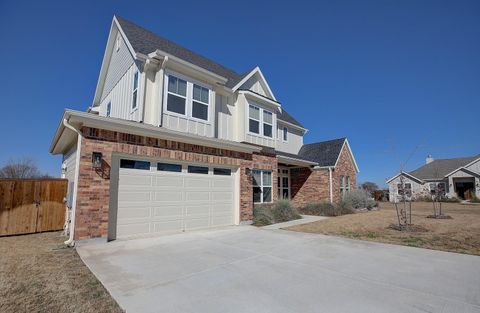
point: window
(177, 95)
(285, 134)
(262, 186)
(222, 171)
(407, 190)
(135, 91)
(167, 167)
(200, 102)
(197, 169)
(109, 108)
(133, 164)
(187, 98)
(283, 182)
(260, 121)
(347, 184)
(267, 123)
(341, 184)
(254, 119)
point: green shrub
(283, 211)
(262, 215)
(359, 199)
(344, 207)
(475, 199)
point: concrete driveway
(246, 269)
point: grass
(39, 274)
(460, 234)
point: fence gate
(31, 205)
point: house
(457, 178)
(175, 142)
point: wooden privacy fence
(31, 205)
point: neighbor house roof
(146, 42)
(325, 153)
(438, 169)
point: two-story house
(174, 142)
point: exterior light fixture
(97, 160)
(248, 172)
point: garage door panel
(133, 229)
(197, 182)
(168, 195)
(222, 195)
(197, 211)
(197, 196)
(134, 212)
(169, 181)
(135, 180)
(197, 223)
(223, 183)
(222, 220)
(168, 226)
(168, 211)
(133, 196)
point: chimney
(429, 159)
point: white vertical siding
(253, 84)
(294, 139)
(120, 62)
(121, 97)
(224, 117)
(70, 161)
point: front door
(283, 183)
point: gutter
(70, 242)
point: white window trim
(188, 98)
(261, 185)
(261, 122)
(283, 133)
(280, 176)
(133, 109)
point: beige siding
(254, 85)
(294, 139)
(121, 97)
(120, 62)
(224, 117)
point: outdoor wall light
(97, 160)
(248, 172)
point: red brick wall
(93, 193)
(308, 185)
(345, 167)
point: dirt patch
(460, 234)
(39, 274)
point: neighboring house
(458, 178)
(174, 141)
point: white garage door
(159, 197)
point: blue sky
(392, 76)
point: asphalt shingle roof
(146, 42)
(325, 153)
(437, 169)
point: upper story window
(135, 91)
(109, 108)
(285, 134)
(118, 43)
(260, 121)
(177, 95)
(187, 98)
(200, 102)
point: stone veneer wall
(93, 189)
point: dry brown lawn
(39, 274)
(460, 234)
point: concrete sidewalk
(304, 220)
(247, 269)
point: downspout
(330, 184)
(70, 242)
(160, 92)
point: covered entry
(161, 197)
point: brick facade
(345, 167)
(93, 190)
(308, 185)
